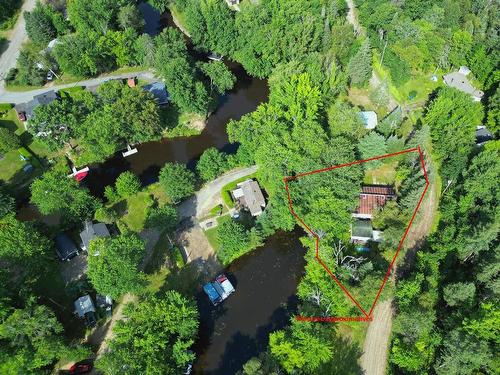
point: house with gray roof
(159, 91)
(85, 309)
(92, 231)
(460, 81)
(25, 110)
(249, 195)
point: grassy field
(11, 165)
(385, 174)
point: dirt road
(16, 39)
(374, 358)
(16, 97)
(352, 17)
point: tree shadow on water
(239, 349)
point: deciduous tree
(177, 181)
(155, 337)
(113, 264)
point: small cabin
(371, 198)
(85, 309)
(369, 119)
(92, 231)
(249, 195)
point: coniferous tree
(360, 65)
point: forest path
(352, 17)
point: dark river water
(238, 329)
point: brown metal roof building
(371, 197)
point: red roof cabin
(371, 198)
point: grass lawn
(211, 233)
(385, 174)
(137, 210)
(178, 124)
(11, 165)
(159, 194)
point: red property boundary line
(366, 316)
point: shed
(92, 231)
(131, 82)
(84, 305)
(249, 195)
(159, 91)
(369, 119)
(65, 247)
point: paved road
(16, 39)
(209, 196)
(26, 96)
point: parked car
(50, 76)
(219, 289)
(82, 367)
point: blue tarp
(212, 293)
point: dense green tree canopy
(452, 118)
(55, 192)
(39, 25)
(154, 338)
(221, 78)
(212, 164)
(24, 246)
(113, 265)
(177, 181)
(7, 203)
(127, 184)
(172, 62)
(8, 141)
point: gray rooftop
(253, 198)
(92, 231)
(159, 91)
(42, 99)
(84, 305)
(460, 81)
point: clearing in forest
(340, 258)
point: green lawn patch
(71, 91)
(385, 174)
(226, 189)
(137, 210)
(211, 233)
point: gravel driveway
(17, 37)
